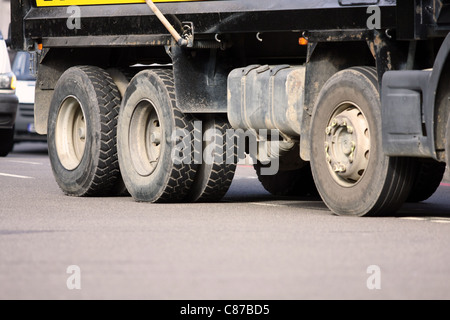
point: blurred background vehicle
(8, 101)
(26, 82)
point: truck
(348, 98)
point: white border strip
(14, 176)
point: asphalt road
(249, 246)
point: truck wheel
(82, 132)
(216, 173)
(6, 141)
(291, 183)
(351, 172)
(155, 140)
(428, 179)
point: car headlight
(8, 81)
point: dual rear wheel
(158, 145)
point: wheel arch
(438, 97)
(324, 61)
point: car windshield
(21, 66)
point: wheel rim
(70, 133)
(347, 144)
(145, 138)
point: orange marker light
(13, 82)
(40, 46)
(303, 41)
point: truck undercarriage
(354, 95)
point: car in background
(26, 83)
(8, 101)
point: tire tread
(108, 97)
(182, 175)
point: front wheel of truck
(82, 132)
(352, 174)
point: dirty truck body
(349, 98)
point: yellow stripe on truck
(59, 3)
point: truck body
(261, 65)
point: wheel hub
(70, 133)
(145, 138)
(347, 145)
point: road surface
(249, 246)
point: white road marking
(440, 221)
(15, 176)
(413, 218)
(267, 204)
(25, 162)
(429, 219)
(246, 178)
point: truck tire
(82, 132)
(291, 183)
(6, 141)
(215, 174)
(155, 140)
(428, 179)
(121, 78)
(352, 174)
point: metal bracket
(188, 33)
(180, 40)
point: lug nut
(156, 138)
(81, 134)
(340, 168)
